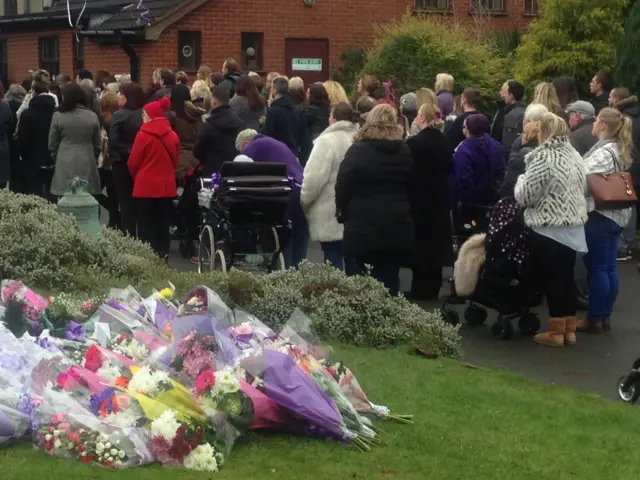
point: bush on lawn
(571, 38)
(412, 51)
(48, 251)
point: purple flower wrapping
(75, 332)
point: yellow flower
(166, 292)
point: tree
(627, 71)
(572, 38)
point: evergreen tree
(627, 71)
(572, 38)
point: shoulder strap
(616, 166)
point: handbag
(614, 191)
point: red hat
(158, 109)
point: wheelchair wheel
(451, 316)
(206, 250)
(529, 324)
(502, 329)
(628, 390)
(475, 315)
(219, 261)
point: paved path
(593, 365)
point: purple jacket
(445, 102)
(270, 150)
(478, 170)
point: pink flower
(75, 438)
(68, 380)
(58, 417)
(64, 426)
(205, 381)
(160, 448)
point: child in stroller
(493, 270)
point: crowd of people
(383, 181)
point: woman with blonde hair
(429, 197)
(204, 74)
(611, 154)
(424, 96)
(526, 142)
(444, 89)
(296, 82)
(372, 198)
(182, 78)
(551, 190)
(336, 92)
(545, 93)
(200, 93)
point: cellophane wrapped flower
(185, 444)
(125, 344)
(221, 390)
(149, 382)
(194, 354)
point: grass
(470, 424)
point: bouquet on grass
(299, 332)
(23, 308)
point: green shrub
(412, 51)
(571, 38)
(627, 71)
(353, 60)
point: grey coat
(253, 118)
(513, 118)
(75, 144)
(581, 137)
(6, 125)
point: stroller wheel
(206, 250)
(628, 390)
(475, 315)
(219, 261)
(502, 329)
(278, 263)
(451, 316)
(529, 324)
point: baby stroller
(243, 212)
(493, 271)
(629, 385)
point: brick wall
(222, 21)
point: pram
(504, 282)
(629, 385)
(243, 212)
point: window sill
(423, 11)
(490, 14)
(529, 14)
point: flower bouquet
(202, 300)
(24, 307)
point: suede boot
(585, 326)
(606, 325)
(570, 333)
(555, 336)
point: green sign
(306, 64)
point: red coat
(153, 160)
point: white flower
(102, 437)
(202, 459)
(107, 446)
(121, 454)
(70, 446)
(147, 382)
(57, 444)
(99, 447)
(226, 381)
(83, 454)
(108, 371)
(117, 463)
(56, 433)
(165, 426)
(113, 452)
(48, 437)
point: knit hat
(158, 109)
(585, 109)
(409, 102)
(477, 124)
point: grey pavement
(593, 365)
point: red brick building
(296, 37)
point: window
(78, 52)
(531, 7)
(487, 6)
(189, 50)
(4, 69)
(433, 4)
(252, 51)
(10, 7)
(50, 55)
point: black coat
(455, 133)
(316, 118)
(216, 142)
(429, 194)
(6, 130)
(229, 81)
(515, 165)
(497, 125)
(372, 198)
(285, 123)
(125, 125)
(33, 133)
(600, 101)
(16, 166)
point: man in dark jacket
(285, 121)
(601, 85)
(497, 124)
(582, 115)
(216, 142)
(167, 82)
(230, 76)
(471, 100)
(33, 140)
(513, 116)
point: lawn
(470, 424)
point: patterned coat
(553, 187)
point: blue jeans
(296, 250)
(333, 253)
(385, 269)
(602, 240)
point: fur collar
(341, 126)
(627, 102)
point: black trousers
(123, 185)
(426, 282)
(554, 265)
(154, 220)
(38, 182)
(109, 201)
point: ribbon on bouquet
(293, 182)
